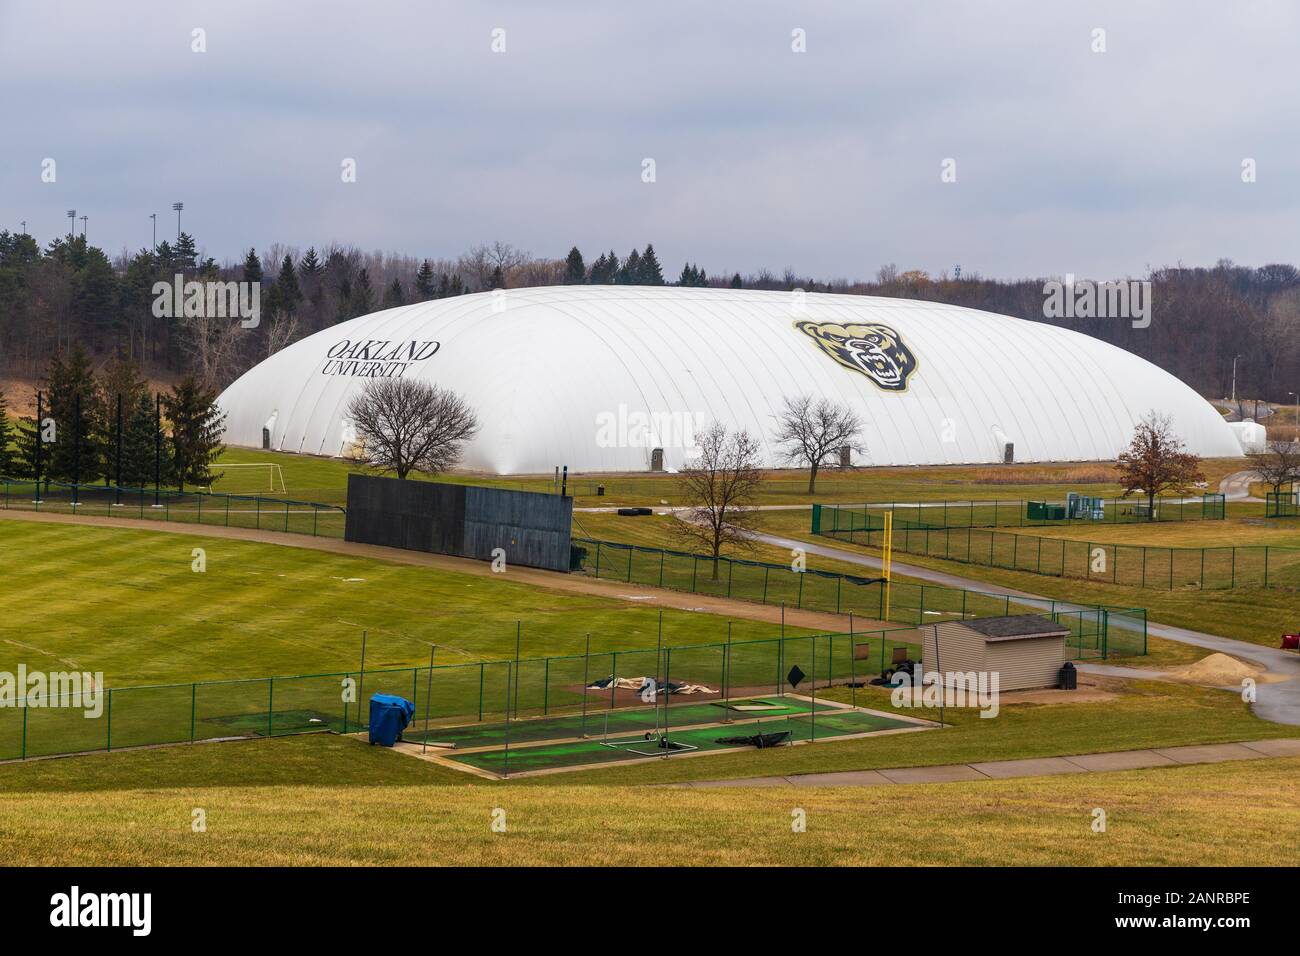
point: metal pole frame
(586, 679)
(428, 691)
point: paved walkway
(1032, 767)
(1278, 702)
(1236, 486)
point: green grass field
(127, 603)
(312, 478)
(329, 801)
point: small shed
(1026, 650)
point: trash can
(1069, 677)
(389, 716)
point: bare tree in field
(407, 425)
(1278, 466)
(720, 483)
(1156, 462)
(810, 432)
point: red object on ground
(1291, 642)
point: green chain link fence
(1022, 512)
(909, 603)
(190, 507)
(485, 693)
(1264, 566)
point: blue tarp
(389, 716)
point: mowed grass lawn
(329, 801)
(1254, 614)
(312, 478)
(127, 603)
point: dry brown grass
(1222, 814)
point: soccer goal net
(250, 478)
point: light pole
(178, 206)
(1295, 414)
(154, 217)
(85, 220)
(1234, 377)
(24, 227)
(72, 226)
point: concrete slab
(1207, 753)
(846, 778)
(1289, 747)
(1122, 760)
(1030, 767)
(950, 773)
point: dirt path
(552, 580)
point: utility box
(656, 459)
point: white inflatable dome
(598, 377)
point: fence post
(766, 571)
(194, 700)
(839, 586)
(695, 570)
(662, 552)
(546, 687)
(1234, 567)
(1265, 565)
(597, 559)
(731, 568)
(108, 730)
(481, 665)
(799, 601)
(23, 753)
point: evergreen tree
(394, 296)
(121, 378)
(497, 280)
(186, 253)
(288, 292)
(424, 285)
(139, 431)
(252, 267)
(73, 401)
(196, 424)
(363, 295)
(736, 283)
(343, 308)
(575, 270)
(166, 258)
(630, 273)
(688, 275)
(311, 264)
(649, 271)
(94, 293)
(8, 456)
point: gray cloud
(827, 162)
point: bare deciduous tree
(1278, 466)
(1156, 461)
(406, 425)
(809, 432)
(720, 483)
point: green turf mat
(704, 739)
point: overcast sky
(827, 161)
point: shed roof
(1016, 627)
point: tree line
(69, 291)
(107, 426)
